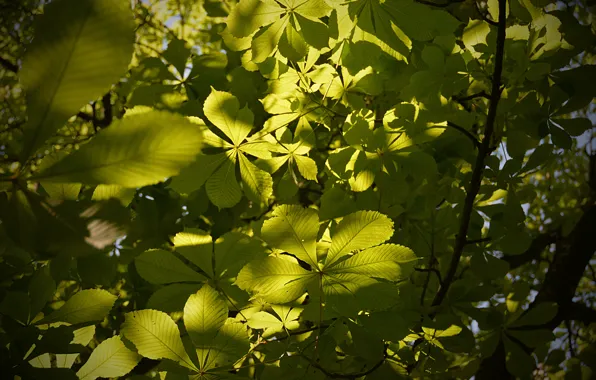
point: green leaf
(267, 39)
(306, 166)
(84, 306)
(205, 313)
(223, 110)
(532, 338)
(219, 340)
(156, 336)
(41, 290)
(360, 230)
(518, 362)
(222, 187)
(287, 319)
(540, 314)
(162, 267)
(560, 137)
(292, 45)
(196, 246)
(258, 185)
(177, 54)
(575, 127)
(232, 250)
(249, 15)
(486, 266)
(12, 305)
(110, 359)
(172, 298)
(80, 48)
(193, 176)
(265, 321)
(230, 344)
(388, 261)
(98, 269)
(138, 150)
(105, 192)
(275, 279)
(293, 229)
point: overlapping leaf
(80, 49)
(138, 150)
(289, 25)
(156, 336)
(220, 261)
(219, 340)
(111, 358)
(342, 281)
(218, 171)
(84, 306)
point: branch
(483, 152)
(478, 241)
(484, 17)
(467, 133)
(481, 94)
(338, 375)
(9, 65)
(579, 312)
(559, 286)
(539, 244)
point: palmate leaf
(223, 110)
(258, 185)
(85, 306)
(138, 150)
(293, 229)
(393, 24)
(204, 314)
(290, 25)
(162, 267)
(286, 317)
(388, 261)
(110, 359)
(104, 192)
(219, 340)
(156, 336)
(249, 15)
(275, 279)
(345, 285)
(222, 187)
(218, 171)
(79, 50)
(360, 230)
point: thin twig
(465, 132)
(483, 152)
(476, 241)
(483, 15)
(481, 94)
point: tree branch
(579, 312)
(481, 94)
(559, 286)
(539, 244)
(483, 152)
(337, 375)
(465, 132)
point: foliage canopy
(297, 189)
